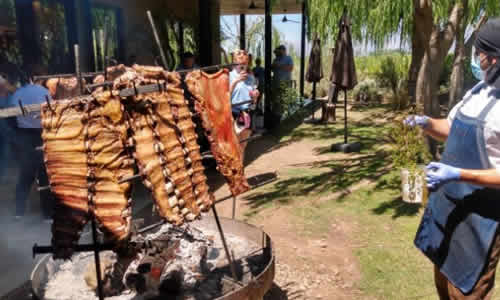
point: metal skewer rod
(138, 176)
(78, 248)
(157, 39)
(207, 68)
(226, 249)
(43, 188)
(253, 187)
(94, 74)
(77, 68)
(85, 75)
(100, 291)
(206, 154)
(234, 207)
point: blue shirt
(29, 94)
(283, 61)
(241, 91)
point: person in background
(188, 62)
(6, 131)
(260, 73)
(132, 59)
(242, 88)
(459, 231)
(28, 138)
(282, 66)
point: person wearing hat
(188, 62)
(282, 65)
(459, 229)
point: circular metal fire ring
(253, 290)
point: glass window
(101, 15)
(53, 37)
(10, 51)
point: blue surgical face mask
(475, 65)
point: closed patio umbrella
(315, 69)
(344, 74)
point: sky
(292, 33)
(290, 30)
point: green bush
(367, 91)
(392, 72)
(284, 98)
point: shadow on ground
(323, 177)
(281, 293)
(400, 208)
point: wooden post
(303, 50)
(243, 42)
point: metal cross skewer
(97, 259)
(226, 249)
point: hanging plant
(409, 153)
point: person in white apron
(459, 229)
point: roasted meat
(108, 162)
(166, 150)
(211, 97)
(63, 88)
(182, 118)
(85, 157)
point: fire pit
(196, 268)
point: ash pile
(175, 262)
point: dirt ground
(307, 267)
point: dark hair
(187, 55)
(258, 60)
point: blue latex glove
(438, 174)
(414, 121)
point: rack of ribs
(211, 98)
(85, 156)
(166, 150)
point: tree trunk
(457, 74)
(424, 26)
(438, 45)
(417, 55)
(439, 42)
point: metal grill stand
(96, 247)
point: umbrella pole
(313, 99)
(345, 116)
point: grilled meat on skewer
(211, 97)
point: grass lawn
(362, 189)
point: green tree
(430, 26)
